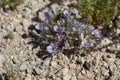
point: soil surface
(102, 63)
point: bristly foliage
(98, 12)
(12, 3)
(59, 30)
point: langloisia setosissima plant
(60, 30)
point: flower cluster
(66, 31)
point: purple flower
(66, 12)
(51, 48)
(60, 37)
(91, 28)
(86, 42)
(98, 34)
(44, 18)
(38, 26)
(56, 28)
(47, 10)
(79, 31)
(74, 23)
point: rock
(112, 69)
(42, 79)
(118, 32)
(58, 79)
(34, 5)
(65, 71)
(2, 59)
(39, 69)
(8, 26)
(73, 78)
(119, 17)
(105, 72)
(80, 77)
(105, 41)
(110, 25)
(83, 72)
(67, 77)
(46, 62)
(15, 59)
(29, 70)
(103, 49)
(4, 26)
(109, 58)
(28, 77)
(26, 24)
(95, 70)
(72, 65)
(33, 57)
(117, 62)
(112, 78)
(94, 62)
(23, 66)
(27, 12)
(89, 75)
(54, 64)
(104, 64)
(87, 65)
(19, 29)
(19, 16)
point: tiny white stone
(67, 77)
(2, 59)
(23, 66)
(53, 64)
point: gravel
(102, 63)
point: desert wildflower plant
(60, 30)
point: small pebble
(113, 69)
(2, 59)
(23, 66)
(67, 77)
(54, 64)
(83, 72)
(40, 69)
(65, 71)
(73, 78)
(87, 65)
